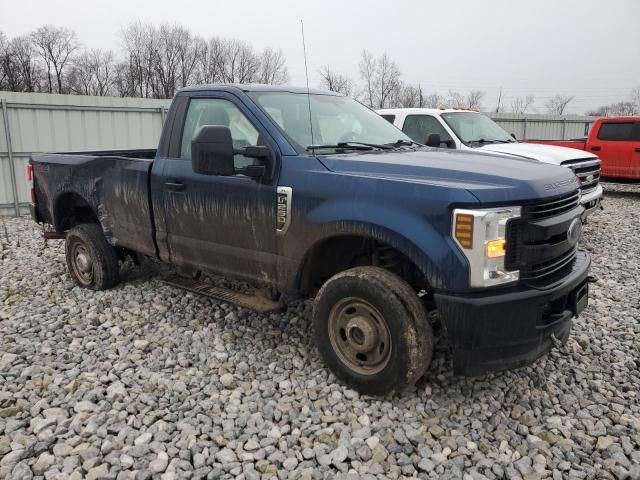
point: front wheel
(91, 260)
(372, 330)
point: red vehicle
(616, 140)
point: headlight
(481, 236)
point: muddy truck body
(312, 194)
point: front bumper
(591, 200)
(490, 332)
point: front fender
(431, 251)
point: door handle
(175, 186)
(595, 149)
(637, 150)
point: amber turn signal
(464, 230)
(496, 248)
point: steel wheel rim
(360, 336)
(82, 263)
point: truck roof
(430, 111)
(629, 118)
(257, 87)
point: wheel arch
(345, 237)
(70, 209)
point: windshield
(476, 129)
(336, 120)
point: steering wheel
(349, 137)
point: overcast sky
(586, 48)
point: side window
(417, 127)
(389, 118)
(216, 111)
(615, 131)
(635, 133)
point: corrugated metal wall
(543, 127)
(41, 122)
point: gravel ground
(147, 381)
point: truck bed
(65, 182)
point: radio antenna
(306, 72)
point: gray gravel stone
(147, 381)
(21, 471)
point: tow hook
(592, 279)
(556, 341)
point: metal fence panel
(543, 127)
(63, 123)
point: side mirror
(212, 151)
(433, 140)
(514, 136)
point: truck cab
(463, 129)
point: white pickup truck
(470, 130)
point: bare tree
(409, 96)
(241, 64)
(24, 57)
(157, 61)
(635, 96)
(93, 73)
(368, 72)
(174, 61)
(620, 109)
(558, 104)
(4, 60)
(474, 99)
(522, 104)
(382, 79)
(210, 61)
(455, 99)
(55, 45)
(125, 81)
(334, 81)
(273, 68)
(388, 80)
(140, 46)
(434, 100)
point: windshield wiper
(495, 140)
(402, 142)
(351, 146)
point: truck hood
(490, 178)
(535, 151)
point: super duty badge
(283, 214)
(563, 183)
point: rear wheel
(92, 261)
(371, 330)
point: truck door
(612, 143)
(635, 155)
(224, 224)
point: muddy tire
(372, 330)
(91, 260)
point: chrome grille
(587, 170)
(537, 243)
(553, 207)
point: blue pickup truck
(309, 193)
